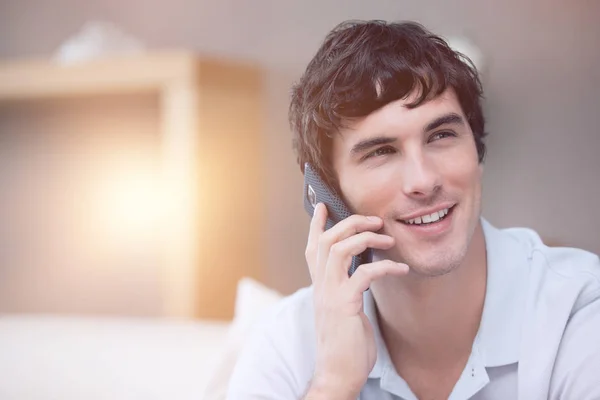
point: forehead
(398, 120)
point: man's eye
(441, 135)
(381, 152)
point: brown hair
(364, 65)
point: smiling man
(390, 117)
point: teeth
(429, 218)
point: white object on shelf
(466, 47)
(97, 39)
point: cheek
(461, 168)
(369, 194)
(462, 175)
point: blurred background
(150, 201)
(81, 203)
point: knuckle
(369, 236)
(375, 239)
(356, 219)
(351, 224)
(309, 251)
(309, 260)
(324, 240)
(364, 273)
(362, 218)
(337, 249)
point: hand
(346, 350)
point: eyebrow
(365, 145)
(446, 119)
(450, 118)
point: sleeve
(271, 365)
(576, 373)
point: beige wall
(61, 249)
(542, 87)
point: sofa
(61, 357)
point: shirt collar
(498, 338)
(508, 260)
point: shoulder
(291, 319)
(577, 365)
(281, 345)
(559, 270)
(559, 292)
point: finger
(341, 253)
(367, 273)
(353, 225)
(316, 229)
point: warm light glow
(129, 204)
(133, 200)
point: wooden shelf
(31, 79)
(211, 139)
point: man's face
(418, 170)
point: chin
(434, 262)
(433, 268)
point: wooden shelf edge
(32, 79)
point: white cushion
(252, 301)
(51, 357)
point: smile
(429, 218)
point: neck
(433, 321)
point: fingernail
(374, 219)
(315, 209)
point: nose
(420, 178)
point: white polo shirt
(539, 336)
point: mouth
(429, 219)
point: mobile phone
(317, 191)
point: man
(390, 116)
